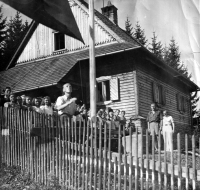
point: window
(107, 89)
(159, 94)
(59, 41)
(103, 91)
(181, 103)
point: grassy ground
(11, 178)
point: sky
(179, 19)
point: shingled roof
(49, 71)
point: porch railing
(94, 155)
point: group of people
(66, 106)
(41, 105)
(163, 122)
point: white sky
(177, 18)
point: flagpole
(92, 59)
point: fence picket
(159, 159)
(193, 163)
(179, 163)
(147, 160)
(141, 167)
(153, 160)
(125, 158)
(130, 160)
(136, 160)
(165, 164)
(105, 157)
(119, 158)
(172, 162)
(73, 152)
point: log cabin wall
(182, 119)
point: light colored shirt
(69, 109)
(167, 120)
(46, 110)
(37, 109)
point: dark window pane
(107, 83)
(59, 41)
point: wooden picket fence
(93, 155)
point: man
(154, 119)
(66, 105)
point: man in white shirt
(66, 105)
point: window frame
(102, 80)
(54, 40)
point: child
(12, 103)
(36, 105)
(28, 105)
(116, 116)
(122, 118)
(23, 99)
(46, 107)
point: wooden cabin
(129, 77)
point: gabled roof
(31, 75)
(116, 32)
(49, 71)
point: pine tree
(128, 27)
(139, 34)
(15, 32)
(2, 37)
(156, 47)
(172, 55)
(172, 58)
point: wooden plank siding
(41, 44)
(127, 99)
(145, 95)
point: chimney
(110, 11)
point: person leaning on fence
(5, 97)
(46, 107)
(28, 105)
(154, 121)
(65, 104)
(167, 130)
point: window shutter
(154, 92)
(114, 88)
(163, 95)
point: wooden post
(172, 162)
(130, 160)
(136, 161)
(179, 163)
(193, 163)
(92, 59)
(165, 165)
(186, 163)
(147, 160)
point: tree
(128, 27)
(156, 47)
(139, 35)
(2, 36)
(172, 55)
(172, 58)
(15, 32)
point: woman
(168, 129)
(36, 105)
(46, 108)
